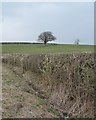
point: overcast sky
(67, 21)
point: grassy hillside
(40, 48)
(65, 81)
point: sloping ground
(66, 81)
(0, 90)
(20, 104)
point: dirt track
(19, 104)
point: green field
(49, 48)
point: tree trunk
(45, 42)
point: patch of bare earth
(18, 103)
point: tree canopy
(46, 37)
(77, 41)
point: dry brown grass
(67, 79)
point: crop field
(49, 48)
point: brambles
(67, 79)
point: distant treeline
(23, 43)
(19, 43)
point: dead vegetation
(65, 80)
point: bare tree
(77, 41)
(46, 37)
